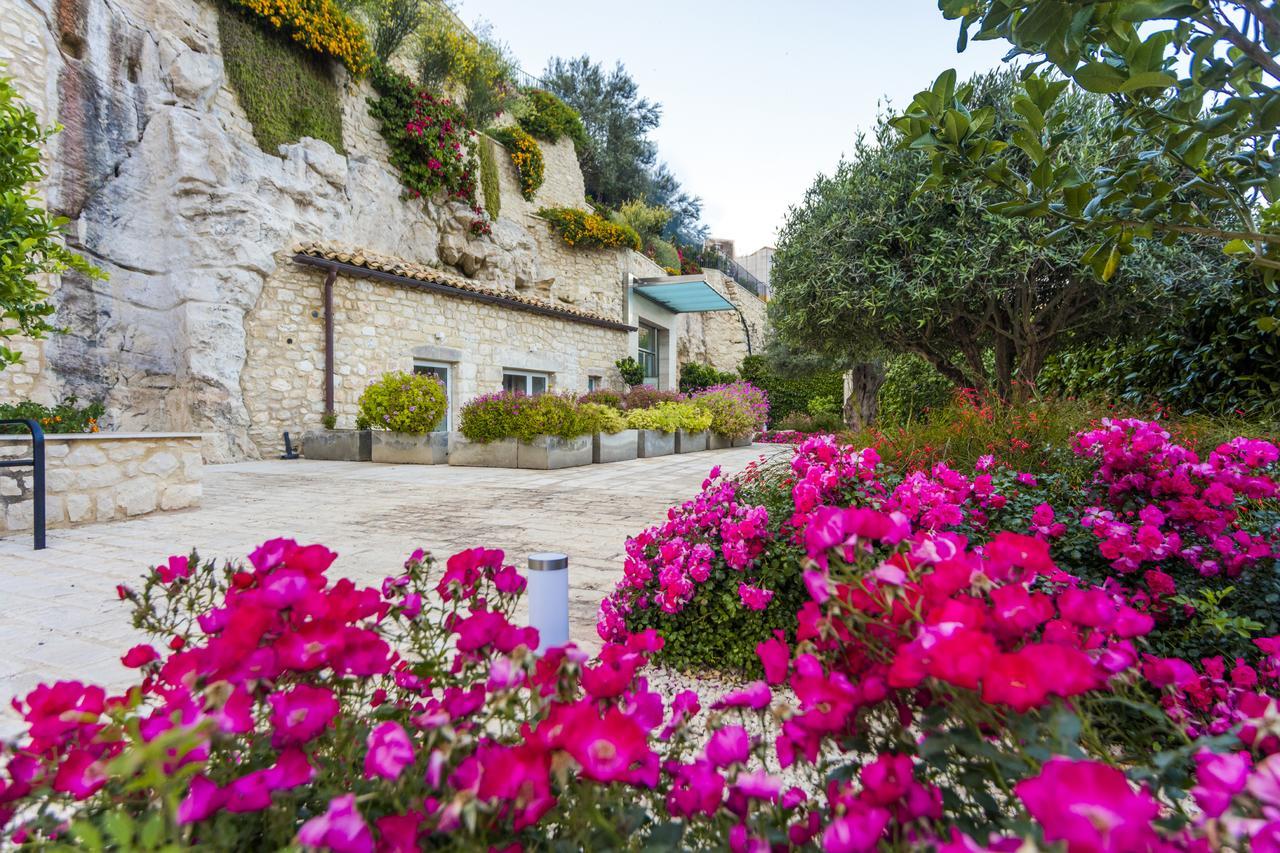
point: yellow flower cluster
(579, 228)
(526, 156)
(318, 25)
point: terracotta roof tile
(422, 272)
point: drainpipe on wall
(328, 341)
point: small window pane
(539, 384)
(514, 382)
(440, 372)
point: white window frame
(529, 376)
(448, 387)
(655, 336)
(595, 383)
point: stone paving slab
(59, 618)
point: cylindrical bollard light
(549, 598)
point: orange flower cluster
(579, 228)
(318, 25)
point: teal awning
(682, 294)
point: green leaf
(1100, 77)
(1148, 80)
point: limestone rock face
(168, 192)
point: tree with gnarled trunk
(868, 265)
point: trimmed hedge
(286, 91)
(789, 394)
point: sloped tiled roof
(354, 261)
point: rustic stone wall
(562, 183)
(380, 326)
(718, 338)
(101, 477)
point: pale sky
(758, 97)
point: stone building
(212, 318)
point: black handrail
(37, 463)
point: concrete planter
(652, 442)
(690, 442)
(406, 449)
(495, 454)
(546, 452)
(618, 447)
(743, 441)
(338, 445)
(716, 441)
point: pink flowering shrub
(737, 409)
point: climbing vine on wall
(318, 25)
(286, 91)
(526, 156)
(431, 143)
(489, 180)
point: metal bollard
(548, 593)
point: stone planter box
(618, 447)
(495, 454)
(653, 442)
(403, 448)
(338, 445)
(690, 442)
(744, 441)
(546, 452)
(101, 476)
(716, 441)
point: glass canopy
(682, 294)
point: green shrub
(911, 389)
(547, 117)
(602, 418)
(489, 180)
(67, 416)
(449, 57)
(646, 397)
(647, 220)
(790, 393)
(695, 376)
(490, 417)
(669, 417)
(737, 409)
(513, 414)
(525, 155)
(632, 371)
(412, 403)
(604, 397)
(807, 424)
(820, 406)
(587, 230)
(665, 255)
(286, 91)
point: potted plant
(657, 428)
(338, 445)
(403, 409)
(553, 431)
(486, 434)
(611, 441)
(738, 410)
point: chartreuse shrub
(669, 417)
(489, 185)
(450, 57)
(513, 414)
(526, 156)
(600, 417)
(320, 26)
(790, 392)
(286, 91)
(547, 117)
(65, 417)
(737, 409)
(588, 230)
(412, 403)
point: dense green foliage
(489, 187)
(911, 389)
(31, 244)
(286, 91)
(547, 117)
(694, 376)
(67, 416)
(869, 264)
(669, 417)
(588, 230)
(1211, 356)
(1190, 96)
(494, 417)
(450, 58)
(412, 403)
(790, 391)
(632, 371)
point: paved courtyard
(59, 618)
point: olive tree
(31, 245)
(870, 264)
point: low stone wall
(101, 477)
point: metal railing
(37, 463)
(737, 272)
